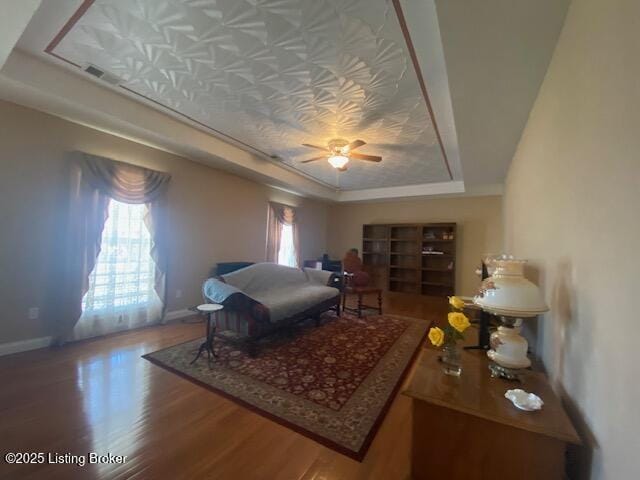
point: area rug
(333, 383)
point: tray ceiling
(273, 74)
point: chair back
(351, 262)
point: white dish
(524, 400)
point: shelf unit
(375, 253)
(395, 257)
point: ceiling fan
(339, 152)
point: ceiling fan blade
(356, 144)
(314, 159)
(368, 158)
(315, 146)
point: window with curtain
(282, 235)
(121, 291)
(115, 248)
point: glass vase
(451, 359)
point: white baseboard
(42, 342)
(24, 345)
(177, 315)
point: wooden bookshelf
(415, 258)
(375, 253)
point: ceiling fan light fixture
(338, 161)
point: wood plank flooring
(100, 396)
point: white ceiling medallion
(274, 74)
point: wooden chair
(350, 288)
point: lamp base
(498, 371)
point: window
(124, 273)
(282, 235)
(287, 251)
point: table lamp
(509, 295)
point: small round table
(207, 346)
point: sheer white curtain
(121, 292)
(287, 251)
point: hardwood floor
(100, 396)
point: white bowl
(524, 400)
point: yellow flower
(436, 335)
(459, 321)
(456, 302)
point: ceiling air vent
(102, 75)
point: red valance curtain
(94, 181)
(280, 215)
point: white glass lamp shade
(338, 161)
(508, 293)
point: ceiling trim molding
(423, 87)
(81, 10)
(86, 4)
(77, 15)
(227, 138)
(240, 143)
(440, 188)
(30, 81)
(485, 190)
(429, 191)
(422, 20)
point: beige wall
(214, 216)
(571, 207)
(479, 222)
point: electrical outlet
(178, 293)
(34, 313)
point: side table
(464, 428)
(207, 346)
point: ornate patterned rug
(333, 383)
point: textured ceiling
(274, 74)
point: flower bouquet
(448, 337)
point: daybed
(265, 297)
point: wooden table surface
(476, 393)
